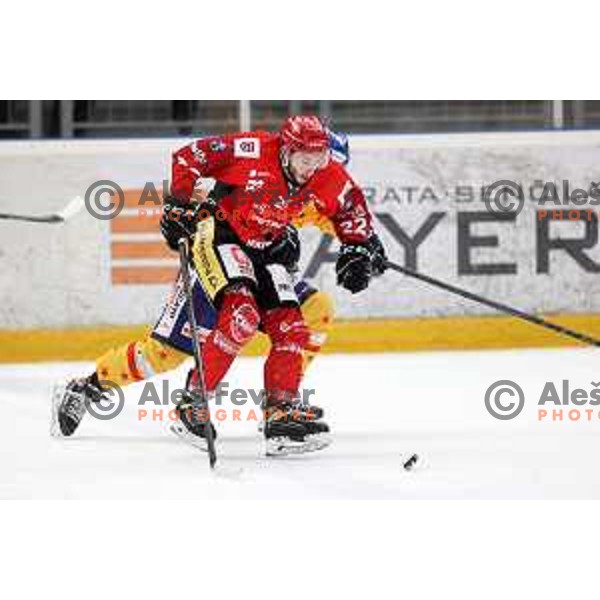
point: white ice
(381, 408)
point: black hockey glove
(378, 255)
(353, 267)
(178, 220)
(285, 250)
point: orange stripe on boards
(141, 250)
(135, 224)
(143, 275)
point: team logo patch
(218, 145)
(246, 147)
(244, 323)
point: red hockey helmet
(304, 133)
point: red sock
(237, 322)
(283, 369)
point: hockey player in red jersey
(243, 248)
(265, 180)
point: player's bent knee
(240, 317)
(137, 361)
(158, 356)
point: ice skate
(70, 401)
(295, 429)
(192, 413)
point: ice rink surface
(381, 408)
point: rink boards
(69, 290)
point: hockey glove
(378, 255)
(178, 221)
(285, 250)
(353, 267)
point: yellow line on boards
(372, 335)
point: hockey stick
(69, 211)
(515, 312)
(201, 386)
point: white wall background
(53, 275)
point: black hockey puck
(411, 462)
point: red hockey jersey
(260, 202)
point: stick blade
(71, 209)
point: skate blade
(189, 438)
(58, 393)
(282, 446)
